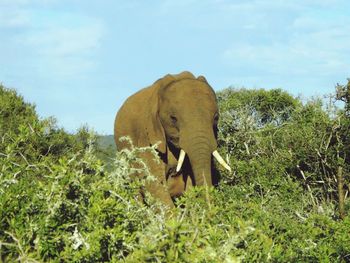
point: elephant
(180, 113)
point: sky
(79, 60)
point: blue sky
(79, 60)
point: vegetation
(62, 199)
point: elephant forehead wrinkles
(195, 91)
(190, 104)
(188, 87)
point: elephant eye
(173, 119)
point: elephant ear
(154, 127)
(155, 130)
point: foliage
(302, 145)
(59, 202)
(266, 107)
(343, 94)
(13, 107)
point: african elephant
(181, 112)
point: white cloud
(66, 41)
(310, 42)
(274, 4)
(63, 43)
(18, 3)
(14, 18)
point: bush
(298, 139)
(60, 203)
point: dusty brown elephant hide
(181, 112)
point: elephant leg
(159, 191)
(157, 188)
(176, 185)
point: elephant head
(184, 118)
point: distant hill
(106, 150)
(106, 142)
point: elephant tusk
(181, 160)
(221, 160)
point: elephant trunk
(201, 167)
(199, 148)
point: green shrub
(300, 140)
(60, 203)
